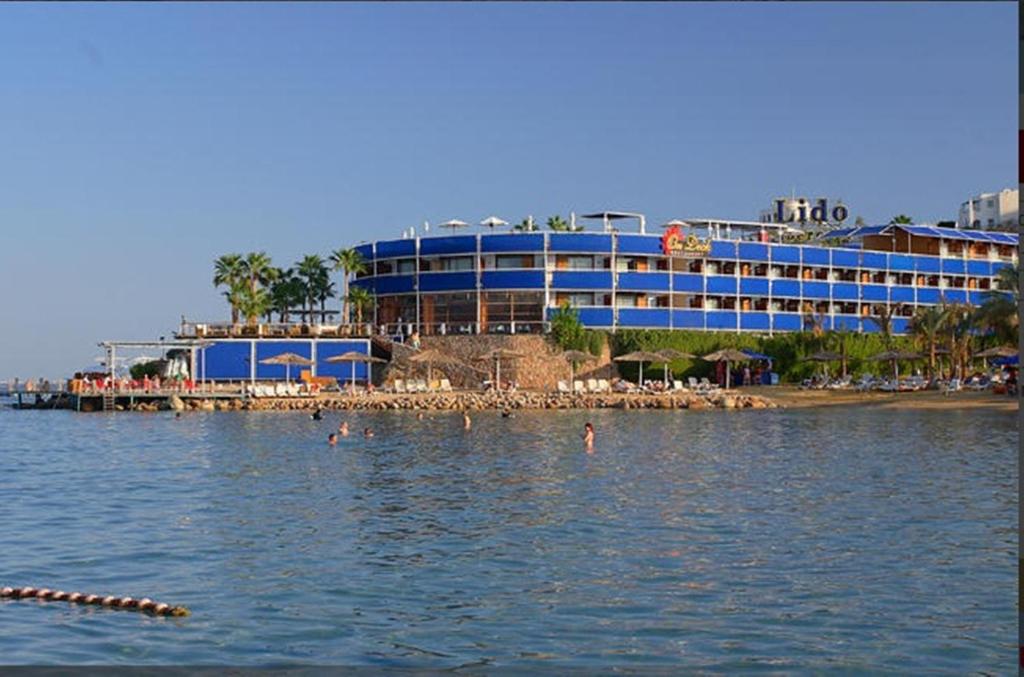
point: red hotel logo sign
(690, 247)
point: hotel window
(581, 262)
(457, 263)
(513, 261)
(625, 301)
(385, 267)
(580, 299)
(406, 266)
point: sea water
(811, 540)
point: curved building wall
(512, 283)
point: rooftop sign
(673, 243)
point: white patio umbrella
(493, 222)
(453, 224)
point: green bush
(786, 350)
(151, 369)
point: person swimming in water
(467, 423)
(367, 432)
(343, 428)
(588, 436)
(419, 416)
(317, 415)
(332, 439)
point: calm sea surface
(783, 540)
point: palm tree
(838, 341)
(960, 321)
(311, 270)
(859, 221)
(351, 262)
(526, 225)
(285, 293)
(258, 271)
(227, 272)
(998, 312)
(901, 220)
(814, 322)
(361, 299)
(558, 224)
(253, 304)
(325, 289)
(883, 320)
(926, 325)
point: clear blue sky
(139, 142)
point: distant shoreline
(791, 397)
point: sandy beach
(793, 397)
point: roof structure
(927, 231)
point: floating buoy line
(145, 604)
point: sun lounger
(677, 385)
(446, 385)
(399, 385)
(604, 386)
(563, 387)
(577, 386)
(592, 385)
(693, 383)
(953, 386)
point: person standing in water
(588, 436)
(343, 428)
(317, 415)
(332, 439)
(367, 432)
(467, 423)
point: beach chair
(577, 386)
(978, 384)
(563, 387)
(399, 385)
(677, 385)
(953, 386)
(603, 384)
(693, 383)
(446, 385)
(421, 385)
(592, 385)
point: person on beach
(343, 429)
(588, 436)
(467, 423)
(332, 439)
(367, 432)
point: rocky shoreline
(475, 401)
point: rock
(175, 403)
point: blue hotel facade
(513, 282)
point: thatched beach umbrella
(287, 359)
(670, 355)
(353, 357)
(824, 356)
(640, 356)
(431, 356)
(727, 355)
(499, 354)
(895, 356)
(575, 356)
(998, 351)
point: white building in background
(990, 210)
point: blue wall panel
(387, 249)
(721, 319)
(718, 284)
(580, 242)
(342, 370)
(816, 256)
(455, 244)
(581, 279)
(394, 284)
(977, 297)
(872, 260)
(954, 266)
(874, 292)
(365, 250)
(265, 349)
(513, 279)
(785, 288)
(846, 323)
(845, 291)
(899, 325)
(845, 258)
(688, 319)
(531, 243)
(755, 321)
(979, 268)
(225, 360)
(786, 322)
(754, 286)
(649, 245)
(631, 281)
(687, 282)
(643, 317)
(447, 282)
(753, 251)
(596, 317)
(901, 262)
(901, 294)
(785, 254)
(926, 264)
(721, 249)
(955, 295)
(816, 290)
(927, 295)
